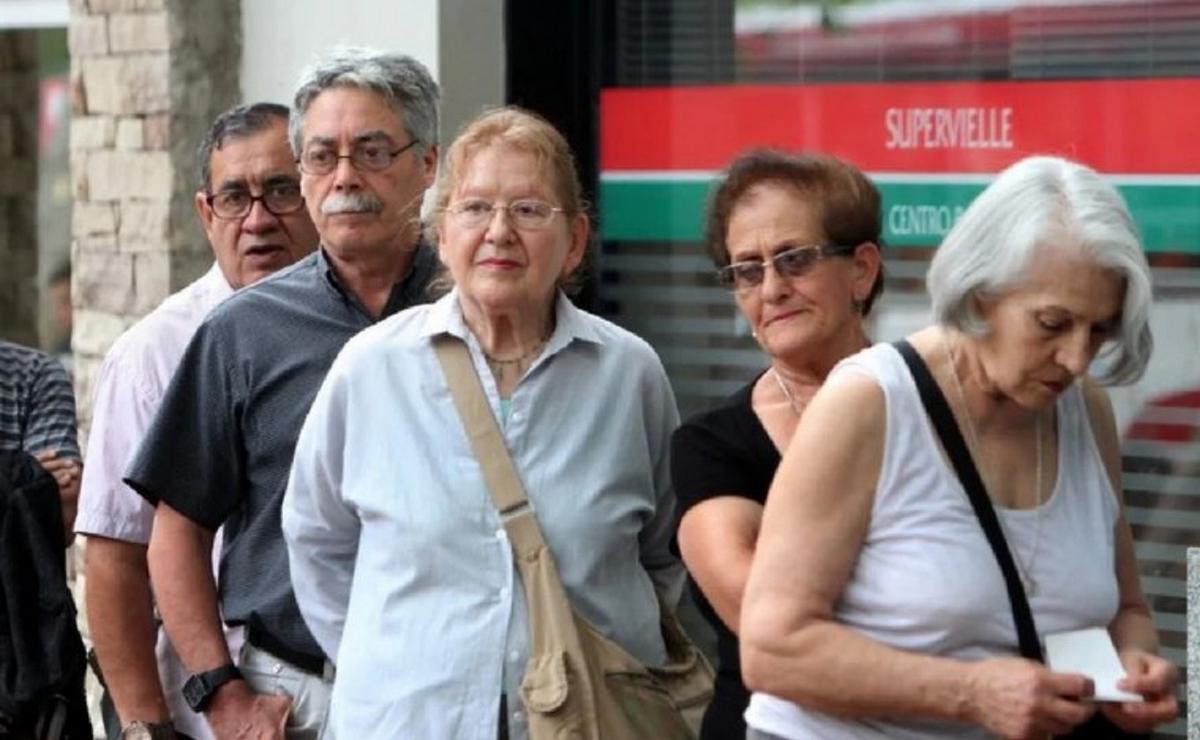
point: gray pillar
(18, 186)
(1193, 642)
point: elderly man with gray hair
(363, 130)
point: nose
(499, 227)
(345, 175)
(259, 220)
(774, 286)
(1076, 352)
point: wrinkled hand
(67, 473)
(237, 713)
(1017, 698)
(1155, 679)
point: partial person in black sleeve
(796, 238)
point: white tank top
(926, 580)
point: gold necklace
(796, 407)
(533, 352)
(500, 368)
(1025, 566)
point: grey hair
(401, 80)
(1037, 204)
(237, 122)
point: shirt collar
(214, 288)
(408, 290)
(446, 317)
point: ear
(204, 211)
(429, 166)
(867, 261)
(580, 230)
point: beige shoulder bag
(578, 683)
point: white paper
(1090, 652)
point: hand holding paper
(1090, 652)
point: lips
(1055, 386)
(782, 316)
(499, 264)
(263, 251)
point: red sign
(1115, 126)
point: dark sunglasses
(790, 263)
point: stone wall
(147, 78)
(18, 186)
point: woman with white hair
(879, 604)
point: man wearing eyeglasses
(363, 132)
(250, 206)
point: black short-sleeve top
(723, 452)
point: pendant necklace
(500, 368)
(1025, 567)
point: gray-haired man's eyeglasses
(369, 156)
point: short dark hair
(847, 201)
(242, 120)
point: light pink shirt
(129, 389)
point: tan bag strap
(487, 443)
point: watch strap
(199, 689)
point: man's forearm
(181, 570)
(121, 620)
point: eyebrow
(241, 184)
(778, 249)
(235, 184)
(373, 136)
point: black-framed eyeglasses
(366, 156)
(277, 199)
(790, 263)
(527, 213)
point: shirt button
(502, 593)
(277, 668)
(516, 416)
(518, 715)
(514, 656)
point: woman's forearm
(832, 669)
(1133, 629)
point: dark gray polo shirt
(220, 448)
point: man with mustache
(250, 206)
(363, 129)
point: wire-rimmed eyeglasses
(366, 156)
(527, 213)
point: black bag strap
(952, 439)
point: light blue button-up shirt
(400, 564)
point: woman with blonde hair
(402, 565)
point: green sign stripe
(916, 214)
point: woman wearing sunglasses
(796, 239)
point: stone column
(18, 186)
(147, 78)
